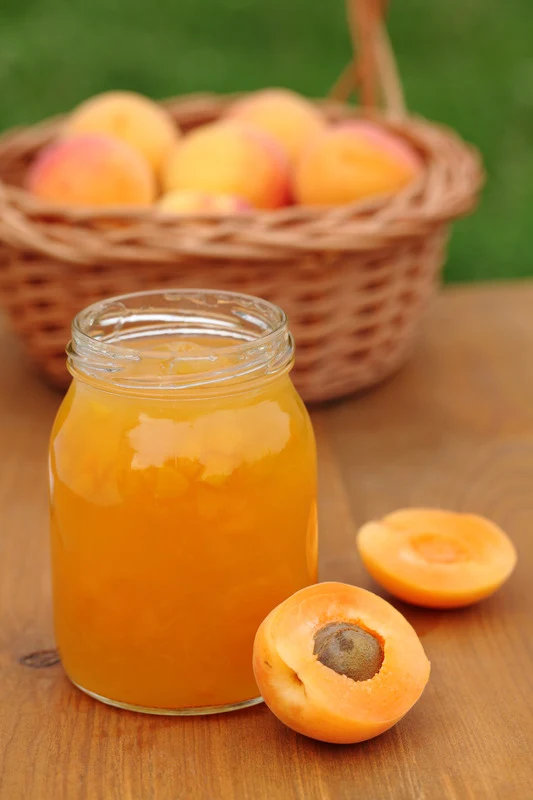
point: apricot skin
(229, 158)
(130, 117)
(435, 558)
(190, 202)
(315, 700)
(352, 161)
(91, 170)
(292, 120)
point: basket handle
(373, 71)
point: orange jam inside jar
(183, 497)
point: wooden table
(453, 429)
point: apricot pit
(348, 650)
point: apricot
(352, 161)
(182, 201)
(338, 663)
(436, 558)
(130, 117)
(289, 118)
(91, 170)
(230, 158)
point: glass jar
(183, 497)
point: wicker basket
(354, 280)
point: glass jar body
(177, 524)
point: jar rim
(104, 335)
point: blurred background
(468, 63)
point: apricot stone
(91, 170)
(230, 158)
(349, 650)
(436, 558)
(130, 117)
(182, 201)
(338, 663)
(292, 120)
(352, 161)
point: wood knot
(40, 659)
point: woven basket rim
(446, 190)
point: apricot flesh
(436, 558)
(338, 663)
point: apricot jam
(183, 497)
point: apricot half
(338, 663)
(436, 558)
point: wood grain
(454, 429)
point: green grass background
(468, 63)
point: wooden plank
(455, 429)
